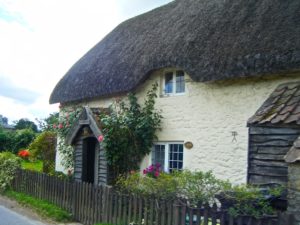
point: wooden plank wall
(267, 147)
(90, 204)
(102, 166)
(78, 148)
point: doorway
(89, 160)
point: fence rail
(94, 204)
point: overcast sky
(41, 39)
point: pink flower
(54, 126)
(156, 173)
(144, 172)
(60, 126)
(100, 138)
(151, 168)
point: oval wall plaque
(188, 145)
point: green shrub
(164, 186)
(9, 163)
(194, 186)
(201, 187)
(250, 200)
(22, 139)
(43, 148)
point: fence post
(293, 197)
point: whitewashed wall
(206, 115)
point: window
(174, 82)
(169, 155)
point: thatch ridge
(210, 39)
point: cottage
(216, 62)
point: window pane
(169, 83)
(175, 157)
(158, 155)
(180, 83)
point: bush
(249, 200)
(43, 148)
(22, 139)
(194, 186)
(9, 163)
(198, 187)
(164, 186)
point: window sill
(171, 95)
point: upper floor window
(174, 82)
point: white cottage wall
(207, 115)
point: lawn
(42, 207)
(35, 166)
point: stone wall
(294, 191)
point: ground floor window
(168, 155)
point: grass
(35, 166)
(43, 208)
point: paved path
(9, 217)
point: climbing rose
(100, 138)
(60, 126)
(54, 126)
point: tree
(3, 120)
(22, 139)
(6, 140)
(25, 124)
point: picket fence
(91, 204)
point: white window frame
(173, 83)
(167, 151)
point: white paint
(206, 115)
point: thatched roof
(281, 108)
(209, 39)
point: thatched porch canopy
(209, 39)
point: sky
(41, 39)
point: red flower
(24, 153)
(60, 126)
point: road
(9, 217)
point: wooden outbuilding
(272, 132)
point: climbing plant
(129, 131)
(67, 117)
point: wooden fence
(90, 204)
